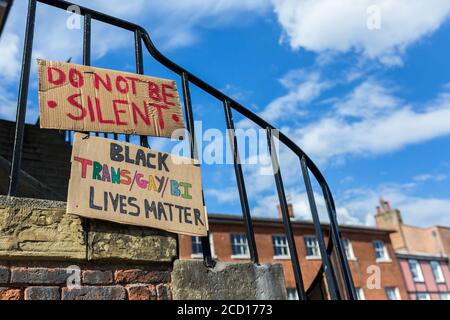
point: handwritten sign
(124, 183)
(82, 98)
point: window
(423, 296)
(360, 294)
(437, 272)
(416, 271)
(444, 296)
(312, 247)
(239, 246)
(380, 251)
(197, 250)
(292, 294)
(348, 249)
(392, 293)
(280, 246)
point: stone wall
(44, 252)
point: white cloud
(380, 123)
(329, 25)
(9, 62)
(430, 177)
(415, 210)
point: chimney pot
(290, 208)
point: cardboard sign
(81, 98)
(121, 182)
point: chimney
(290, 211)
(386, 217)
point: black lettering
(187, 213)
(127, 155)
(132, 203)
(114, 200)
(170, 209)
(115, 152)
(149, 161)
(161, 211)
(123, 204)
(180, 212)
(91, 200)
(150, 208)
(140, 157)
(197, 217)
(162, 161)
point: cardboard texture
(125, 183)
(82, 98)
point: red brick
(141, 292)
(94, 293)
(21, 275)
(42, 293)
(4, 275)
(10, 294)
(141, 276)
(97, 277)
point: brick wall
(361, 240)
(52, 281)
(40, 245)
(47, 162)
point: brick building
(422, 253)
(365, 247)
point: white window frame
(385, 257)
(313, 248)
(444, 295)
(360, 294)
(395, 291)
(292, 294)
(348, 249)
(419, 274)
(200, 255)
(437, 272)
(426, 295)
(280, 244)
(241, 243)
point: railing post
(335, 233)
(140, 70)
(206, 244)
(285, 215)
(22, 100)
(241, 183)
(328, 268)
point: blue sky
(371, 106)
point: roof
(420, 256)
(260, 221)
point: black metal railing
(334, 273)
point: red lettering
(61, 76)
(76, 78)
(72, 100)
(99, 113)
(84, 164)
(105, 83)
(133, 84)
(117, 112)
(91, 110)
(126, 179)
(143, 115)
(159, 110)
(121, 89)
(166, 95)
(153, 91)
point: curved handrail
(158, 56)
